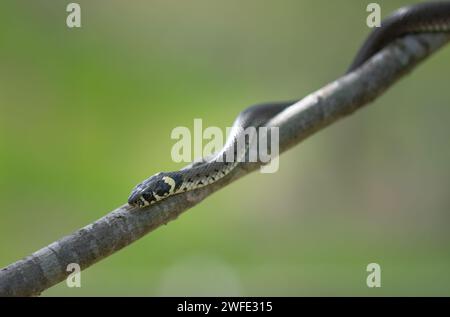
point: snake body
(422, 17)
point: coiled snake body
(423, 17)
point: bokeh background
(87, 113)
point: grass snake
(422, 17)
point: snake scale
(422, 17)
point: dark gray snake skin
(423, 17)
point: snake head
(153, 189)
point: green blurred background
(87, 113)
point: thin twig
(47, 267)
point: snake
(427, 17)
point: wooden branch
(46, 267)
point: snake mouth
(135, 199)
(139, 199)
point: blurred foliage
(87, 113)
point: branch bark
(47, 266)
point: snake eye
(148, 196)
